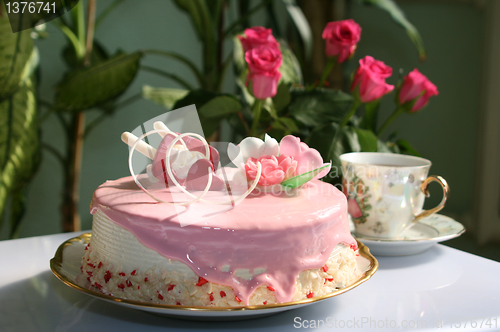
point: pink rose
(414, 84)
(370, 77)
(274, 169)
(341, 39)
(263, 63)
(256, 36)
(308, 159)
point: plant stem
(329, 66)
(71, 217)
(220, 44)
(94, 123)
(257, 110)
(79, 24)
(90, 32)
(240, 115)
(56, 154)
(79, 50)
(387, 122)
(346, 119)
(245, 17)
(71, 192)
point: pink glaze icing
(285, 234)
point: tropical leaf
(290, 67)
(16, 51)
(212, 108)
(85, 88)
(165, 97)
(205, 28)
(406, 148)
(283, 97)
(199, 13)
(302, 25)
(370, 117)
(301, 179)
(282, 127)
(220, 107)
(98, 55)
(19, 148)
(399, 17)
(367, 140)
(316, 107)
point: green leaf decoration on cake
(301, 179)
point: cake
(280, 239)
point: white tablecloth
(442, 289)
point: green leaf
(290, 66)
(301, 179)
(282, 127)
(99, 54)
(406, 148)
(17, 209)
(383, 147)
(19, 145)
(205, 27)
(220, 107)
(283, 97)
(302, 25)
(240, 67)
(16, 51)
(367, 140)
(399, 17)
(165, 97)
(85, 88)
(321, 138)
(319, 106)
(371, 115)
(199, 98)
(198, 11)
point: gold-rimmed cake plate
(66, 267)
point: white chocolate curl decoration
(149, 151)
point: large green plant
(95, 79)
(19, 139)
(322, 117)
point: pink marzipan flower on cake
(274, 169)
(308, 159)
(256, 36)
(279, 162)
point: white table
(439, 287)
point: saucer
(419, 237)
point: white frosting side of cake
(121, 248)
(140, 273)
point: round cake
(272, 247)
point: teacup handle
(423, 187)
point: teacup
(386, 192)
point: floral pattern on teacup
(358, 197)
